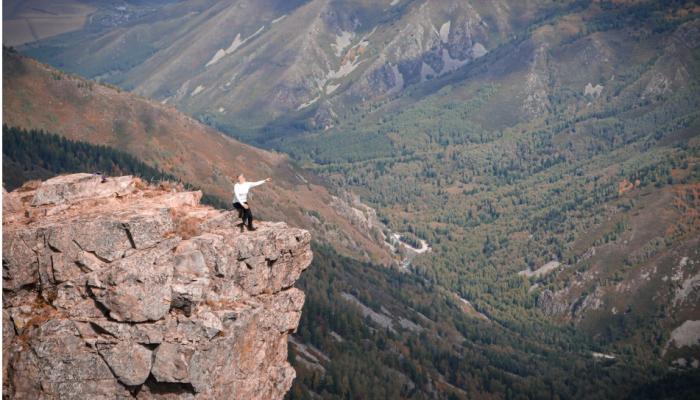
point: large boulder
(114, 289)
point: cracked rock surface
(114, 289)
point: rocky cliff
(116, 289)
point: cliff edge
(116, 289)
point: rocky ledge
(115, 289)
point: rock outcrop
(116, 289)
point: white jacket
(240, 190)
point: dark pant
(244, 213)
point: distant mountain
(25, 21)
(255, 65)
(36, 96)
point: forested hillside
(30, 155)
(420, 341)
(34, 154)
(562, 188)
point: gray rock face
(172, 363)
(67, 188)
(118, 290)
(552, 303)
(130, 362)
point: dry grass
(625, 186)
(687, 201)
(186, 226)
(140, 184)
(29, 186)
(42, 312)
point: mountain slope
(38, 97)
(558, 173)
(252, 67)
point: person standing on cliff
(240, 192)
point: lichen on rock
(116, 289)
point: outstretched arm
(258, 183)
